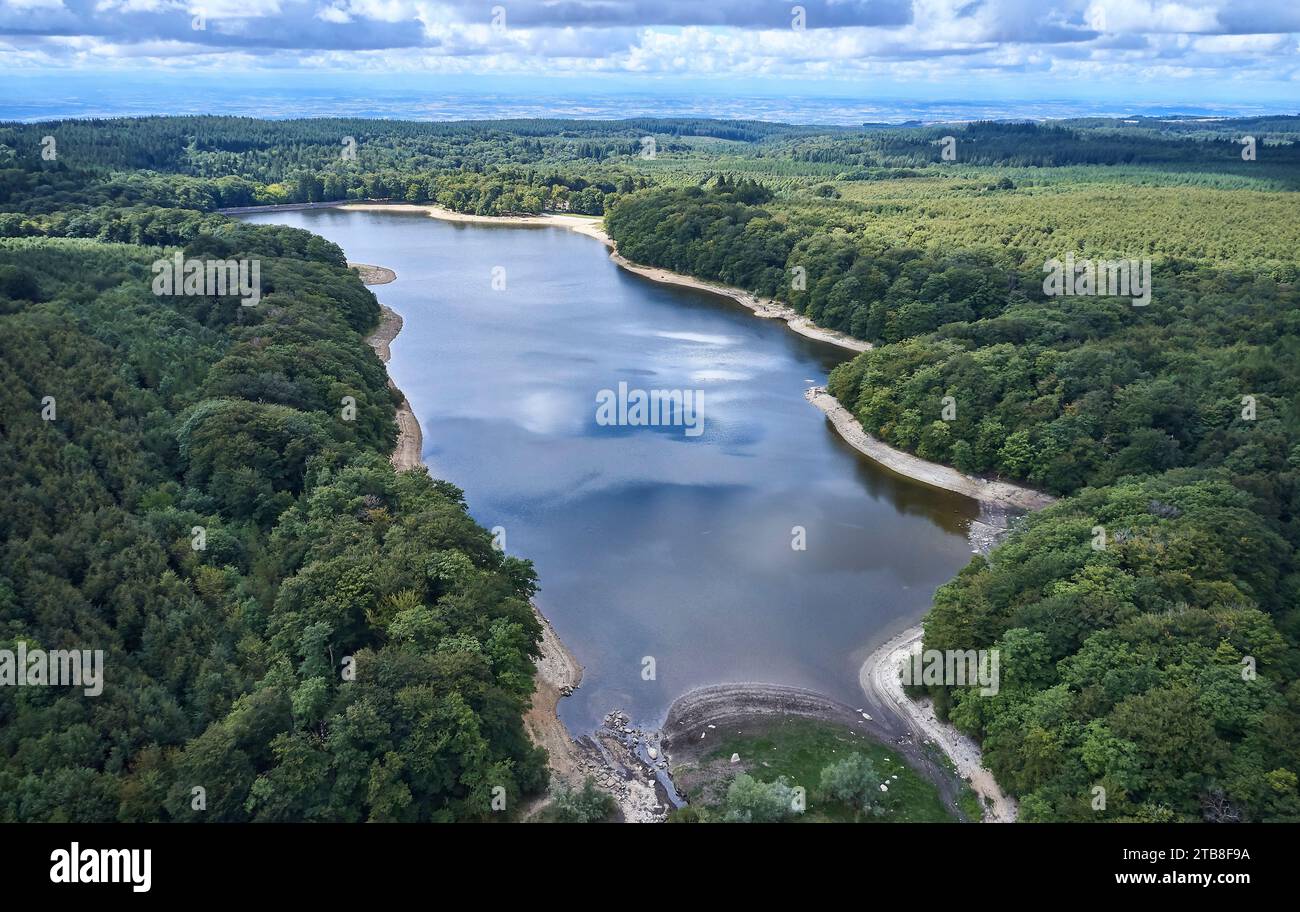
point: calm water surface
(650, 543)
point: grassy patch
(967, 800)
(800, 749)
(970, 804)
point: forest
(293, 631)
(1149, 621)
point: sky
(1243, 51)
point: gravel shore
(882, 686)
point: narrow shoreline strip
(934, 474)
(881, 680)
(407, 453)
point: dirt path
(882, 685)
(1002, 493)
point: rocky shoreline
(631, 765)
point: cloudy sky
(1192, 46)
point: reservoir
(668, 554)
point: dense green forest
(1149, 621)
(1161, 668)
(346, 645)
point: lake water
(661, 554)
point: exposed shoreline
(557, 675)
(410, 439)
(880, 678)
(708, 711)
(373, 275)
(590, 225)
(593, 226)
(768, 310)
(936, 475)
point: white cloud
(904, 38)
(231, 9)
(1246, 44)
(1146, 17)
(333, 14)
